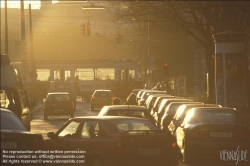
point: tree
(204, 19)
(199, 19)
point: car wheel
(95, 161)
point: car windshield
(171, 109)
(148, 100)
(102, 94)
(59, 97)
(162, 105)
(127, 124)
(10, 121)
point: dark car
(115, 140)
(158, 100)
(181, 113)
(142, 101)
(58, 103)
(101, 98)
(151, 99)
(170, 111)
(206, 131)
(14, 135)
(140, 93)
(124, 110)
(164, 103)
(64, 86)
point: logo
(234, 155)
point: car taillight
(173, 144)
(93, 98)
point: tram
(121, 76)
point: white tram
(121, 76)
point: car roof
(213, 108)
(201, 105)
(60, 93)
(5, 110)
(178, 99)
(103, 90)
(109, 118)
(137, 89)
(126, 107)
(185, 102)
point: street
(41, 126)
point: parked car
(15, 136)
(124, 110)
(205, 131)
(181, 113)
(58, 103)
(164, 103)
(100, 98)
(115, 140)
(142, 101)
(143, 94)
(151, 99)
(140, 93)
(136, 91)
(158, 100)
(170, 111)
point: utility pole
(22, 21)
(31, 39)
(6, 29)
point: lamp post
(6, 29)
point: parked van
(12, 94)
(64, 86)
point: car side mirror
(51, 135)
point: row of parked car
(200, 130)
(116, 136)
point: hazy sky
(35, 4)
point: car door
(25, 108)
(67, 137)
